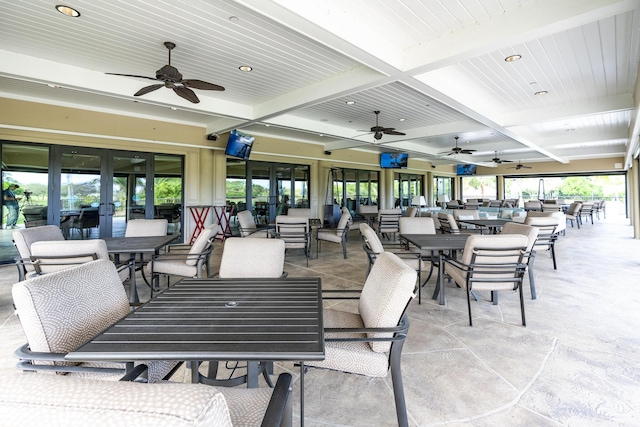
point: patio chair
(183, 263)
(337, 235)
(89, 218)
(59, 401)
(50, 256)
(295, 232)
(448, 224)
(532, 234)
(370, 341)
(345, 210)
(420, 225)
(243, 258)
(62, 310)
(373, 247)
(587, 211)
(24, 238)
(462, 214)
(533, 205)
(410, 212)
(247, 226)
(34, 216)
(490, 263)
(547, 235)
(388, 222)
(146, 227)
(573, 213)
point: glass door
(95, 192)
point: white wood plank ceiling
(435, 69)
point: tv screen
(466, 169)
(239, 144)
(394, 160)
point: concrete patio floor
(577, 363)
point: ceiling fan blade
(506, 161)
(186, 93)
(132, 75)
(466, 151)
(148, 89)
(199, 84)
(393, 132)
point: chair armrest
(26, 357)
(399, 332)
(279, 403)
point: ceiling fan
(172, 79)
(458, 150)
(519, 166)
(378, 130)
(497, 160)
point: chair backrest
(146, 227)
(547, 228)
(410, 212)
(525, 230)
(448, 223)
(551, 208)
(368, 209)
(388, 220)
(250, 258)
(343, 223)
(386, 293)
(299, 212)
(247, 223)
(533, 204)
(345, 210)
(50, 256)
(202, 243)
(371, 238)
(24, 238)
(459, 214)
(417, 225)
(574, 208)
(62, 310)
(477, 242)
(293, 230)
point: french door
(94, 192)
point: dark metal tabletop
(436, 242)
(147, 244)
(496, 222)
(219, 319)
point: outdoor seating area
(567, 335)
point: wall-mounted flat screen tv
(394, 160)
(466, 169)
(239, 145)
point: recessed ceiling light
(541, 92)
(570, 130)
(53, 86)
(402, 119)
(245, 68)
(234, 19)
(267, 124)
(173, 108)
(350, 102)
(320, 134)
(512, 58)
(66, 10)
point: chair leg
(532, 283)
(398, 388)
(524, 322)
(469, 304)
(553, 256)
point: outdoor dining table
(439, 243)
(492, 224)
(197, 320)
(134, 246)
